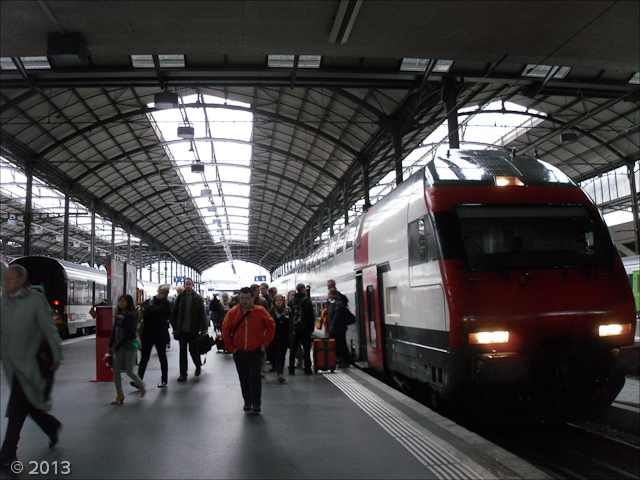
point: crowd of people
(258, 327)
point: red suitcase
(324, 354)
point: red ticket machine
(104, 324)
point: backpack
(297, 318)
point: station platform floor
(335, 425)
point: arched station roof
(86, 129)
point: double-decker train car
(488, 280)
(71, 289)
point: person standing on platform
(302, 333)
(332, 284)
(217, 312)
(26, 321)
(247, 331)
(281, 315)
(257, 300)
(188, 319)
(336, 312)
(264, 291)
(155, 332)
(226, 302)
(123, 345)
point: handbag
(44, 357)
(205, 342)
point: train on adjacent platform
(487, 280)
(71, 290)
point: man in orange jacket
(247, 331)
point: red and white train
(487, 278)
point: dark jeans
(301, 338)
(17, 410)
(161, 348)
(188, 339)
(249, 366)
(342, 351)
(279, 352)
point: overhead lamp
(12, 221)
(568, 138)
(165, 99)
(59, 238)
(197, 167)
(185, 132)
(205, 192)
(67, 49)
(76, 244)
(38, 231)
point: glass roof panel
(220, 142)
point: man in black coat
(302, 334)
(155, 331)
(336, 314)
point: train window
(545, 236)
(360, 230)
(422, 247)
(332, 247)
(340, 246)
(324, 252)
(371, 313)
(351, 236)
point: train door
(373, 321)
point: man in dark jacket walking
(155, 331)
(188, 319)
(301, 332)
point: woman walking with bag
(123, 345)
(281, 314)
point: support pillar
(364, 164)
(28, 210)
(634, 204)
(65, 228)
(450, 104)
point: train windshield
(544, 236)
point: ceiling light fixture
(165, 100)
(67, 49)
(568, 138)
(197, 167)
(185, 131)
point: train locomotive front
(538, 302)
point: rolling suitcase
(324, 354)
(220, 343)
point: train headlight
(489, 337)
(508, 181)
(614, 329)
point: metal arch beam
(195, 210)
(258, 169)
(145, 110)
(256, 145)
(58, 180)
